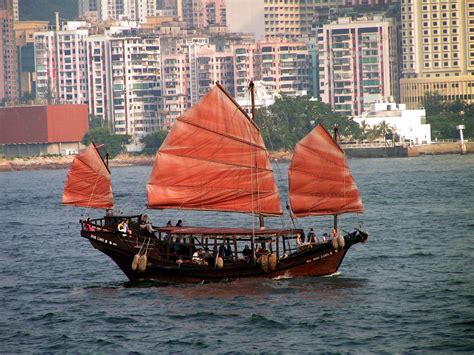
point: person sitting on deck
(145, 224)
(168, 224)
(228, 252)
(207, 256)
(247, 253)
(222, 250)
(179, 224)
(261, 251)
(88, 226)
(312, 238)
(198, 258)
(123, 227)
(325, 237)
(299, 242)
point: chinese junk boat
(214, 159)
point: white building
(264, 97)
(409, 125)
(100, 84)
(136, 10)
(136, 80)
(61, 67)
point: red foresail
(319, 177)
(88, 182)
(214, 158)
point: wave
(202, 315)
(258, 320)
(337, 273)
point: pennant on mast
(319, 178)
(214, 158)
(88, 182)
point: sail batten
(88, 182)
(214, 159)
(320, 179)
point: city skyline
(346, 53)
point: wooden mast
(254, 118)
(335, 216)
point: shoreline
(125, 159)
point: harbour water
(411, 288)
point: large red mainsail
(319, 177)
(88, 182)
(214, 158)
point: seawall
(62, 162)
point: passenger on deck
(247, 253)
(222, 250)
(207, 256)
(261, 251)
(179, 224)
(88, 226)
(145, 224)
(312, 237)
(228, 252)
(325, 237)
(123, 227)
(197, 257)
(169, 224)
(299, 242)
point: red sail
(214, 158)
(319, 177)
(88, 182)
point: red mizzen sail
(319, 177)
(88, 182)
(214, 158)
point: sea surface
(410, 289)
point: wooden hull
(316, 260)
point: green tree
(364, 130)
(113, 144)
(374, 133)
(385, 128)
(26, 97)
(153, 140)
(289, 119)
(96, 122)
(445, 116)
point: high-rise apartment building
(296, 19)
(86, 6)
(60, 63)
(358, 63)
(283, 66)
(202, 13)
(136, 80)
(437, 50)
(136, 10)
(24, 38)
(100, 80)
(8, 60)
(15, 10)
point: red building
(40, 130)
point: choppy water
(411, 288)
